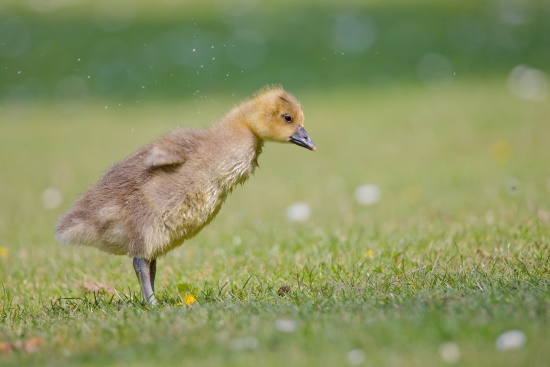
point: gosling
(166, 192)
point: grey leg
(153, 272)
(145, 271)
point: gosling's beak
(302, 139)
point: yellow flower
(188, 300)
(369, 253)
(4, 252)
(501, 151)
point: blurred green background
(138, 50)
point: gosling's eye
(287, 117)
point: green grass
(450, 253)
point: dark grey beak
(302, 139)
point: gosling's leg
(152, 273)
(145, 271)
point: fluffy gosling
(167, 191)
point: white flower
(449, 352)
(284, 325)
(298, 212)
(367, 194)
(51, 198)
(509, 340)
(356, 357)
(528, 83)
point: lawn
(454, 254)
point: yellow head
(275, 115)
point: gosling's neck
(239, 123)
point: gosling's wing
(176, 148)
(165, 153)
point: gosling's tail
(74, 229)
